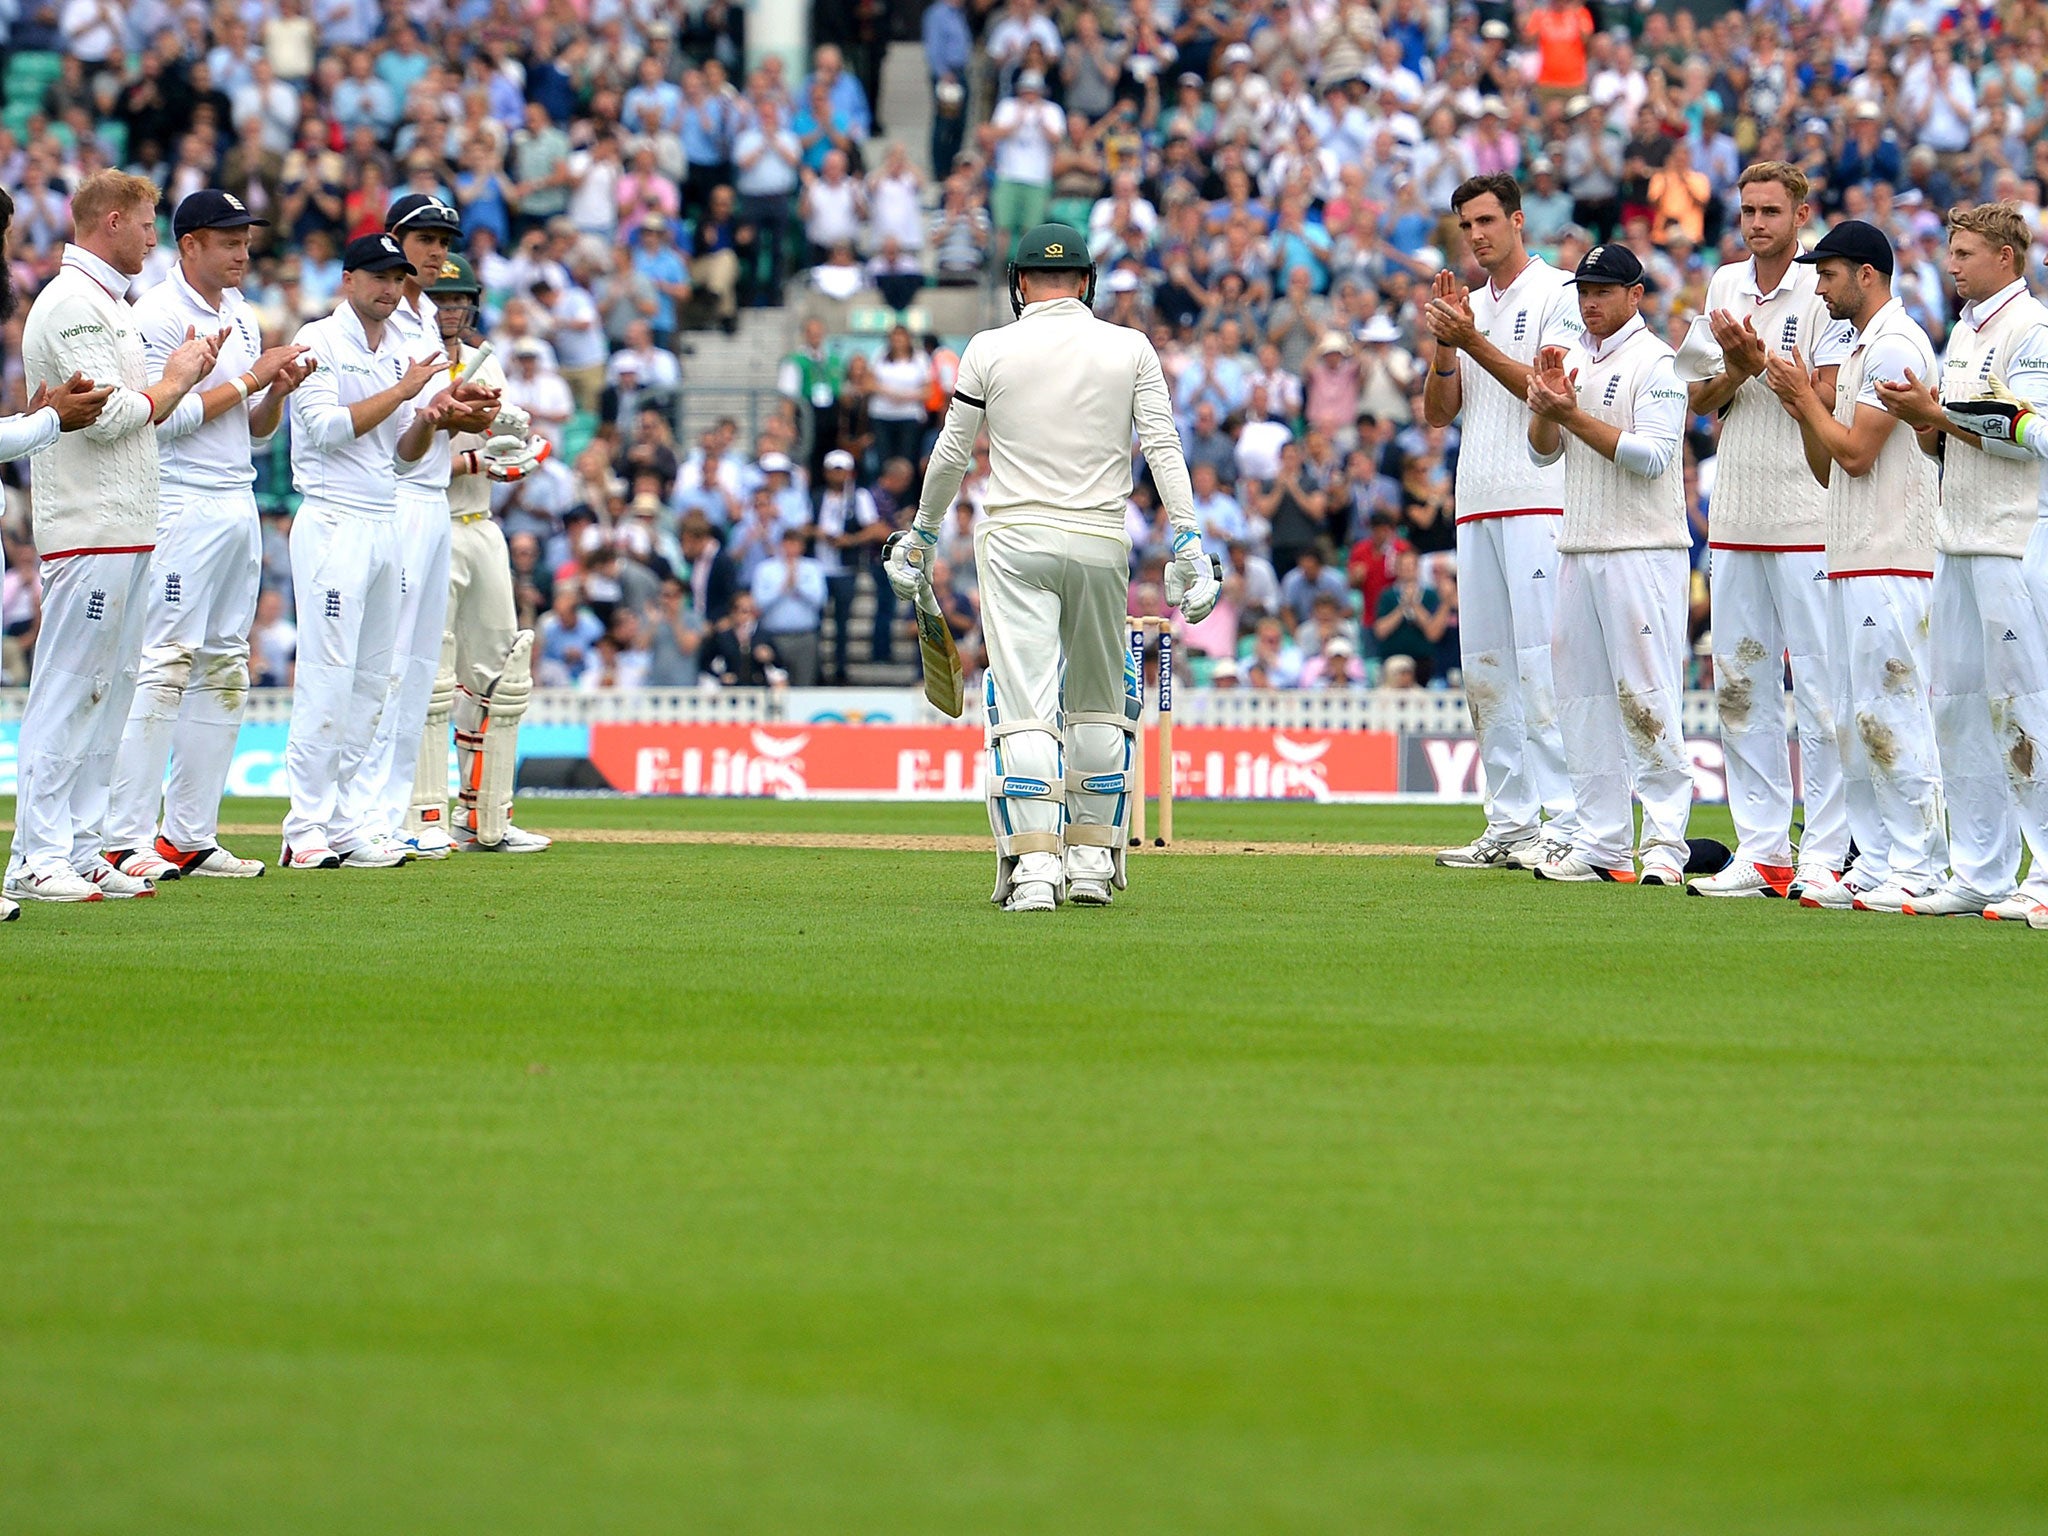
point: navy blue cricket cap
(211, 208)
(1853, 240)
(374, 253)
(1609, 263)
(422, 210)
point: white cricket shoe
(1814, 874)
(2017, 908)
(308, 858)
(1572, 869)
(142, 863)
(1032, 896)
(1832, 895)
(1532, 851)
(1484, 852)
(2038, 918)
(517, 840)
(1744, 879)
(1889, 897)
(9, 910)
(1090, 891)
(116, 886)
(379, 852)
(214, 863)
(1661, 874)
(429, 843)
(1948, 900)
(54, 885)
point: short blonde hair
(105, 192)
(1995, 224)
(1788, 176)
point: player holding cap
(193, 678)
(354, 421)
(1509, 514)
(486, 664)
(70, 407)
(426, 229)
(1988, 651)
(1612, 409)
(1769, 547)
(93, 503)
(1882, 493)
(1059, 393)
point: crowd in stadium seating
(1265, 188)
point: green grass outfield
(731, 1189)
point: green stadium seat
(576, 436)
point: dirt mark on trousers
(1737, 695)
(2022, 756)
(1481, 697)
(1641, 720)
(1878, 741)
(1898, 675)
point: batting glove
(907, 561)
(509, 458)
(1996, 418)
(511, 421)
(1192, 584)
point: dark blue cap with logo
(422, 210)
(211, 208)
(1609, 263)
(374, 253)
(1853, 240)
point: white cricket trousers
(2025, 744)
(1052, 616)
(1507, 598)
(481, 612)
(77, 704)
(1877, 654)
(1989, 698)
(345, 574)
(423, 536)
(1769, 603)
(1619, 659)
(193, 678)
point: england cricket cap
(211, 208)
(375, 253)
(1853, 240)
(422, 210)
(1609, 263)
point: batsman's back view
(1059, 394)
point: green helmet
(456, 276)
(1051, 248)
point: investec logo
(775, 767)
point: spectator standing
(656, 259)
(849, 529)
(1021, 138)
(1409, 620)
(766, 158)
(537, 389)
(789, 591)
(540, 169)
(902, 378)
(1313, 578)
(715, 258)
(580, 347)
(833, 206)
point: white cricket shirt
(1991, 493)
(329, 462)
(1882, 523)
(1636, 500)
(1495, 476)
(419, 335)
(197, 455)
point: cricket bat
(945, 680)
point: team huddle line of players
(1878, 520)
(142, 424)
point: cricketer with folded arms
(1059, 394)
(93, 499)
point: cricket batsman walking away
(193, 678)
(93, 502)
(1882, 498)
(1059, 393)
(1509, 515)
(1612, 409)
(486, 667)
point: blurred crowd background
(1265, 188)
